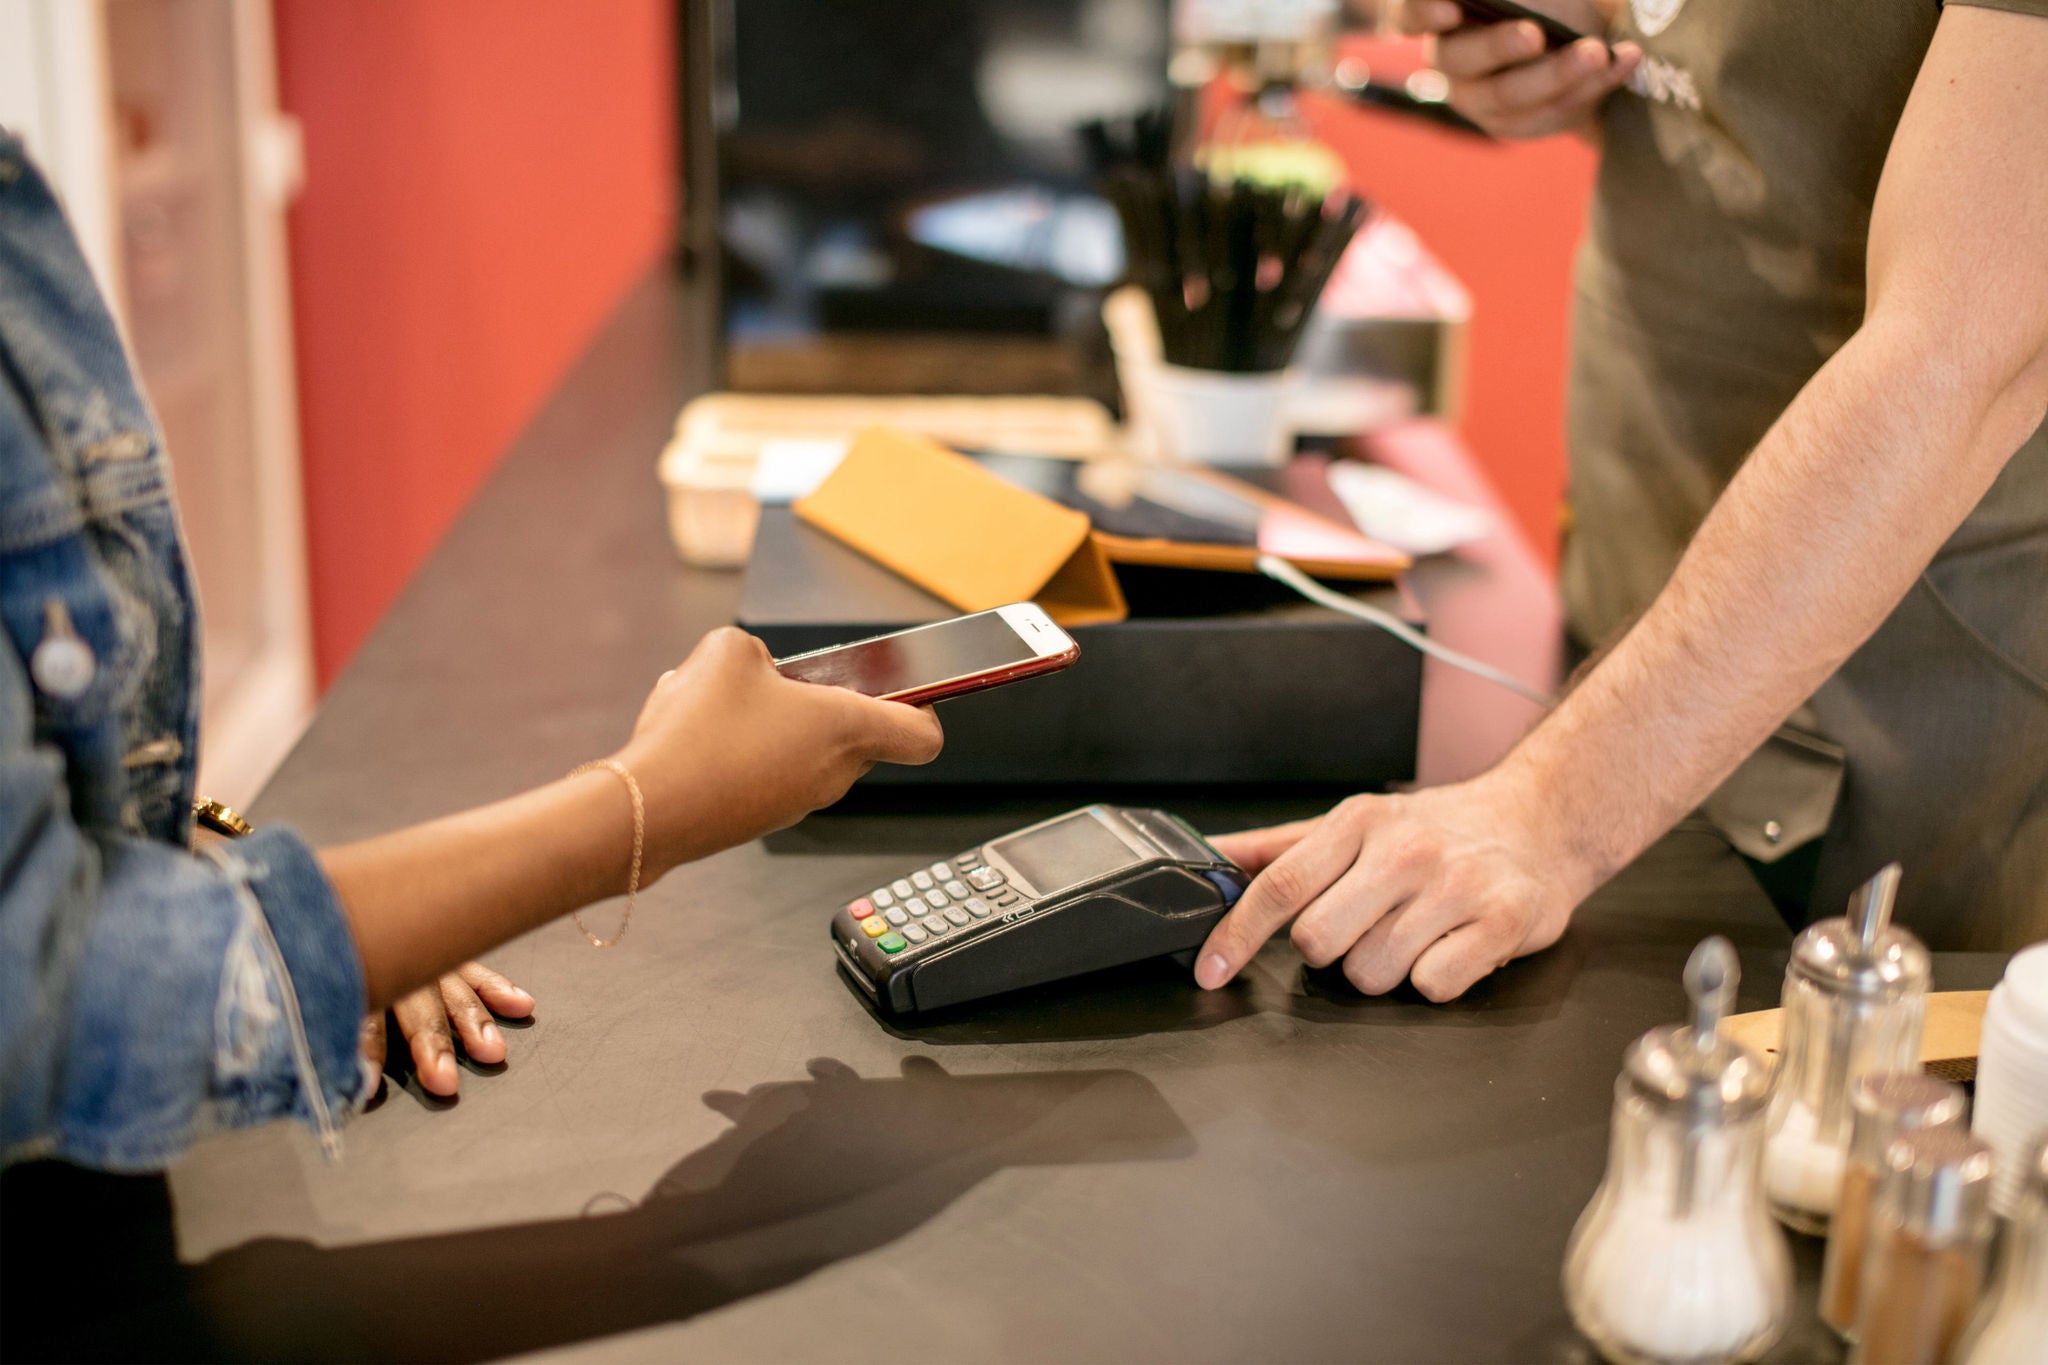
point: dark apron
(1723, 266)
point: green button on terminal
(891, 943)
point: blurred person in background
(150, 993)
(1808, 479)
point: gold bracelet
(639, 842)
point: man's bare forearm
(1823, 531)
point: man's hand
(1829, 521)
(1502, 79)
(1439, 887)
(466, 998)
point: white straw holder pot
(1218, 417)
(2012, 1070)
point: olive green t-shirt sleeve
(2039, 7)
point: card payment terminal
(1096, 887)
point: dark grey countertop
(706, 1147)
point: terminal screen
(1077, 849)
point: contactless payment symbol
(1654, 16)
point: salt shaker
(2012, 1326)
(1855, 999)
(1924, 1266)
(1882, 1107)
(1676, 1258)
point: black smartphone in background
(1556, 33)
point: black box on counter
(1215, 678)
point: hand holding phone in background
(1523, 78)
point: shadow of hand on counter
(811, 1173)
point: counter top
(706, 1147)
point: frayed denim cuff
(320, 1000)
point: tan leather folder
(961, 533)
(969, 537)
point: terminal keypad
(933, 904)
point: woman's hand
(727, 749)
(1502, 79)
(468, 999)
(1439, 888)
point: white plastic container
(1215, 417)
(2012, 1071)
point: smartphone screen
(914, 659)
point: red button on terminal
(861, 908)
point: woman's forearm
(725, 750)
(422, 899)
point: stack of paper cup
(2012, 1070)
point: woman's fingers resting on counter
(464, 1004)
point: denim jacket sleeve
(149, 995)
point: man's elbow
(1980, 371)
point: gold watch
(220, 818)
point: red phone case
(981, 682)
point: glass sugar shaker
(1676, 1258)
(2012, 1326)
(1882, 1107)
(1923, 1269)
(1854, 1002)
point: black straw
(1233, 269)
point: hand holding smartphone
(1556, 33)
(927, 664)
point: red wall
(1505, 219)
(484, 180)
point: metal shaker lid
(1937, 1183)
(1693, 1069)
(1863, 954)
(1896, 1102)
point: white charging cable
(1280, 571)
